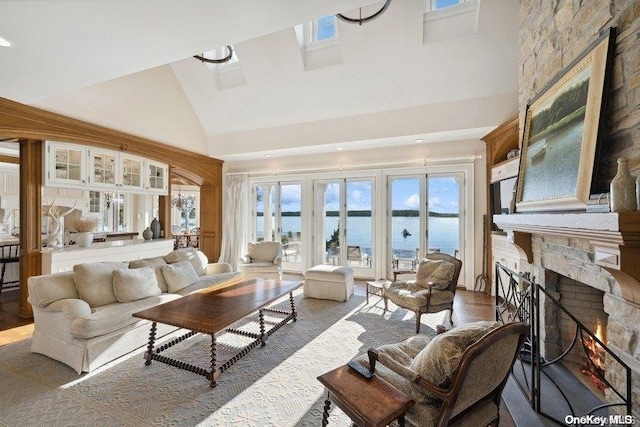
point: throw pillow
(134, 284)
(434, 274)
(195, 257)
(157, 264)
(179, 275)
(95, 283)
(440, 358)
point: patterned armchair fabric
(263, 259)
(433, 290)
(456, 377)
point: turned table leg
(152, 339)
(293, 307)
(325, 412)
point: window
(324, 28)
(277, 208)
(94, 201)
(442, 4)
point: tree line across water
(364, 213)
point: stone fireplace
(591, 262)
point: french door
(425, 216)
(277, 216)
(344, 223)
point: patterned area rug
(271, 386)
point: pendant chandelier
(183, 201)
(227, 58)
(361, 20)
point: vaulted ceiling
(128, 65)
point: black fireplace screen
(553, 386)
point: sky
(443, 195)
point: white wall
(150, 103)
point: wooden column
(210, 220)
(31, 152)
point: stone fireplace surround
(601, 250)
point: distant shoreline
(395, 213)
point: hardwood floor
(12, 328)
(468, 307)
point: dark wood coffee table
(210, 311)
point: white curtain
(234, 219)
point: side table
(368, 403)
(375, 288)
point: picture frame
(562, 132)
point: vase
(147, 234)
(623, 191)
(155, 228)
(84, 239)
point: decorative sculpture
(55, 229)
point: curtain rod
(340, 168)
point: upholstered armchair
(263, 259)
(456, 377)
(432, 291)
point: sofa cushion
(134, 284)
(439, 359)
(195, 257)
(179, 275)
(95, 283)
(156, 263)
(209, 281)
(434, 273)
(111, 317)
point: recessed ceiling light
(419, 140)
(4, 42)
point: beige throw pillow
(434, 274)
(195, 257)
(157, 264)
(440, 358)
(179, 275)
(95, 283)
(134, 284)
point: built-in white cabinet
(111, 170)
(78, 166)
(506, 254)
(157, 177)
(66, 164)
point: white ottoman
(328, 282)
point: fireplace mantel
(615, 238)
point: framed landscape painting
(562, 128)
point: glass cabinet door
(131, 172)
(157, 176)
(67, 163)
(103, 168)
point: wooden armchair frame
(450, 395)
(453, 284)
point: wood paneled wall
(31, 126)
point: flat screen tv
(502, 194)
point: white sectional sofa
(84, 318)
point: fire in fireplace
(593, 363)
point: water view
(443, 233)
